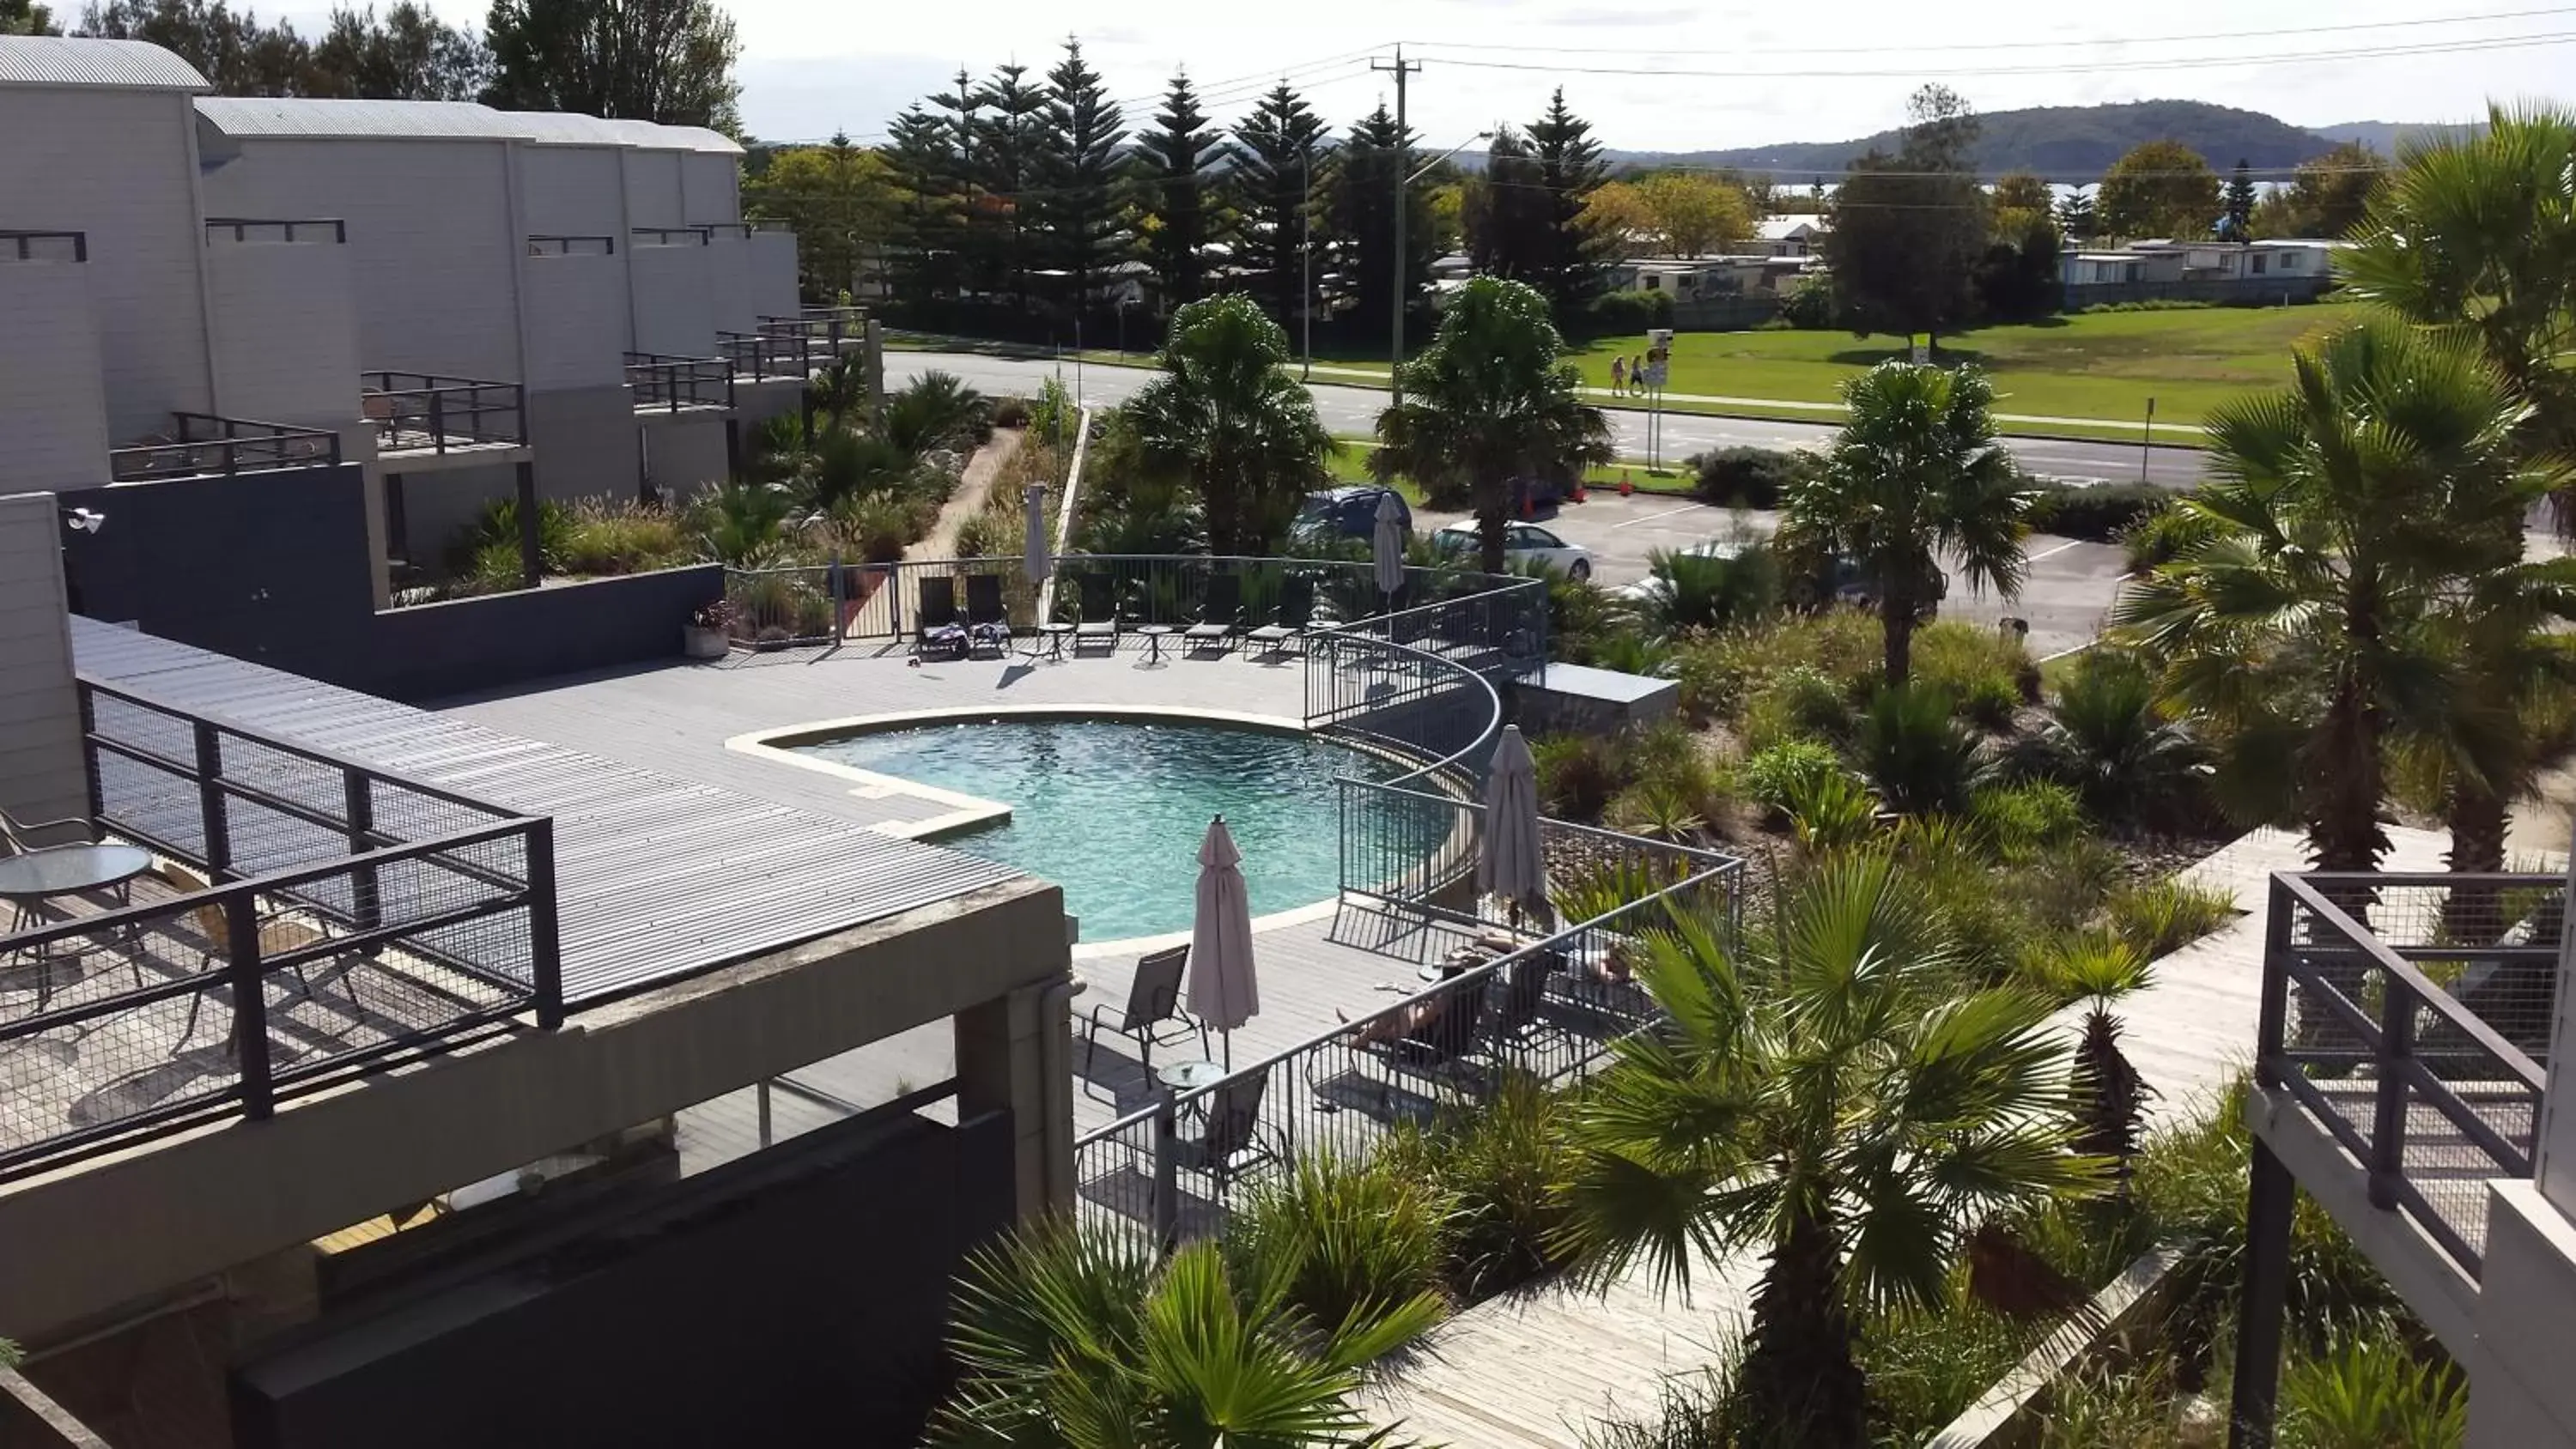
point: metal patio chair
(1152, 1015)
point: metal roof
(657, 877)
(50, 60)
(240, 116)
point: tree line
(668, 61)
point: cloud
(1590, 19)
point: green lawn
(2102, 365)
(1349, 464)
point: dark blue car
(1348, 512)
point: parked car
(1647, 590)
(1347, 512)
(1523, 543)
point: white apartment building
(450, 290)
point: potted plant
(709, 632)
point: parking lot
(2067, 599)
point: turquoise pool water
(1113, 810)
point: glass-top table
(64, 870)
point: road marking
(2054, 552)
(1667, 513)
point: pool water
(1113, 810)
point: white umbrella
(1386, 544)
(1037, 563)
(1509, 862)
(1222, 990)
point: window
(1654, 283)
(2135, 270)
(2258, 263)
(1539, 538)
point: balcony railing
(205, 444)
(670, 236)
(2410, 1016)
(248, 229)
(572, 246)
(771, 357)
(44, 246)
(832, 328)
(418, 413)
(308, 918)
(666, 384)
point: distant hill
(2385, 137)
(2062, 143)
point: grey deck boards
(659, 875)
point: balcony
(305, 919)
(767, 356)
(572, 246)
(832, 329)
(668, 386)
(672, 236)
(201, 445)
(423, 420)
(244, 231)
(44, 246)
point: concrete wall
(2555, 1169)
(674, 298)
(432, 252)
(2520, 1393)
(41, 770)
(434, 650)
(655, 193)
(439, 505)
(731, 299)
(122, 167)
(710, 187)
(123, 1227)
(586, 441)
(285, 328)
(579, 328)
(774, 291)
(684, 454)
(53, 405)
(573, 191)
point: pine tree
(1177, 159)
(1009, 130)
(1377, 154)
(2075, 216)
(1281, 161)
(1077, 178)
(2240, 202)
(1570, 166)
(930, 169)
(1508, 216)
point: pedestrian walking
(1618, 374)
(1637, 375)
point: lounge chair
(1152, 1016)
(279, 933)
(936, 632)
(1233, 1142)
(1099, 614)
(1296, 614)
(988, 619)
(1220, 614)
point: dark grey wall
(797, 1296)
(273, 567)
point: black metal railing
(772, 357)
(2409, 1014)
(572, 246)
(206, 444)
(44, 246)
(664, 383)
(308, 917)
(264, 229)
(1547, 1010)
(417, 412)
(669, 236)
(742, 229)
(829, 329)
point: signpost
(1658, 367)
(2147, 444)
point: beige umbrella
(1510, 863)
(1223, 993)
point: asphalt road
(1352, 412)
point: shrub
(605, 537)
(1619, 314)
(1832, 812)
(2020, 821)
(1798, 703)
(876, 527)
(1924, 1368)
(1719, 673)
(1749, 477)
(2165, 534)
(936, 412)
(498, 525)
(1978, 670)
(1011, 412)
(2371, 1390)
(1497, 1165)
(1631, 653)
(1577, 775)
(1657, 810)
(2098, 514)
(2165, 915)
(1918, 756)
(1702, 591)
(1363, 1237)
(2107, 736)
(1788, 772)
(1809, 307)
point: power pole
(1401, 68)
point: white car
(1650, 589)
(1523, 543)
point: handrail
(237, 443)
(548, 245)
(22, 245)
(243, 226)
(2424, 988)
(443, 411)
(664, 382)
(670, 236)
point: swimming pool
(1113, 810)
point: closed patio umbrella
(1509, 862)
(1037, 563)
(1386, 545)
(1222, 990)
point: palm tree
(2345, 508)
(2478, 236)
(1836, 1098)
(2110, 1111)
(2107, 736)
(1076, 1342)
(1915, 475)
(1226, 414)
(1489, 404)
(936, 411)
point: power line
(2002, 44)
(2517, 42)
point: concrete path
(1535, 1369)
(973, 487)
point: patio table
(29, 880)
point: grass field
(1350, 457)
(2100, 365)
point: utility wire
(2518, 42)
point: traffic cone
(1626, 488)
(1579, 494)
